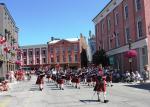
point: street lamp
(130, 58)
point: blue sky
(38, 20)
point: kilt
(109, 78)
(94, 78)
(60, 81)
(100, 88)
(73, 80)
(68, 77)
(39, 80)
(48, 76)
(77, 80)
(89, 79)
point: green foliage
(100, 57)
(84, 59)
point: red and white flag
(2, 39)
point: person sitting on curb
(4, 86)
(145, 74)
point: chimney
(90, 34)
(52, 38)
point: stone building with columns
(34, 56)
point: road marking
(5, 102)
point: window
(63, 49)
(64, 58)
(37, 52)
(30, 53)
(76, 57)
(110, 41)
(51, 49)
(69, 57)
(43, 52)
(102, 26)
(57, 50)
(117, 40)
(58, 60)
(76, 48)
(126, 11)
(144, 56)
(116, 18)
(109, 24)
(25, 62)
(138, 5)
(139, 28)
(24, 54)
(52, 59)
(69, 49)
(44, 60)
(37, 60)
(127, 34)
(30, 61)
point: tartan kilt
(48, 76)
(100, 88)
(94, 78)
(73, 80)
(68, 77)
(109, 78)
(89, 79)
(77, 80)
(60, 81)
(39, 80)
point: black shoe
(99, 100)
(106, 101)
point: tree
(84, 59)
(100, 57)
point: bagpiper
(101, 87)
(40, 79)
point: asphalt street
(27, 94)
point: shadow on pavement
(88, 101)
(34, 89)
(144, 86)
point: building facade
(91, 45)
(120, 24)
(65, 52)
(9, 41)
(34, 56)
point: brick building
(9, 44)
(124, 22)
(65, 52)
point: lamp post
(130, 58)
